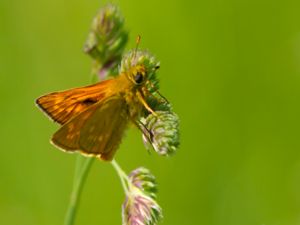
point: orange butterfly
(94, 117)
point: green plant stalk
(123, 176)
(81, 172)
(82, 169)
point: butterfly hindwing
(96, 131)
(103, 131)
(67, 137)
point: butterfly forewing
(96, 131)
(62, 106)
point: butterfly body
(94, 117)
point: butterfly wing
(62, 106)
(96, 131)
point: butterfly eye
(138, 78)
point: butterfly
(94, 118)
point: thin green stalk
(78, 165)
(81, 172)
(122, 175)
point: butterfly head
(140, 67)
(137, 75)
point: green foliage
(231, 71)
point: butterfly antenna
(138, 40)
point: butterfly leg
(142, 127)
(145, 104)
(147, 92)
(156, 90)
(164, 98)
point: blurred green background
(231, 70)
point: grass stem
(82, 168)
